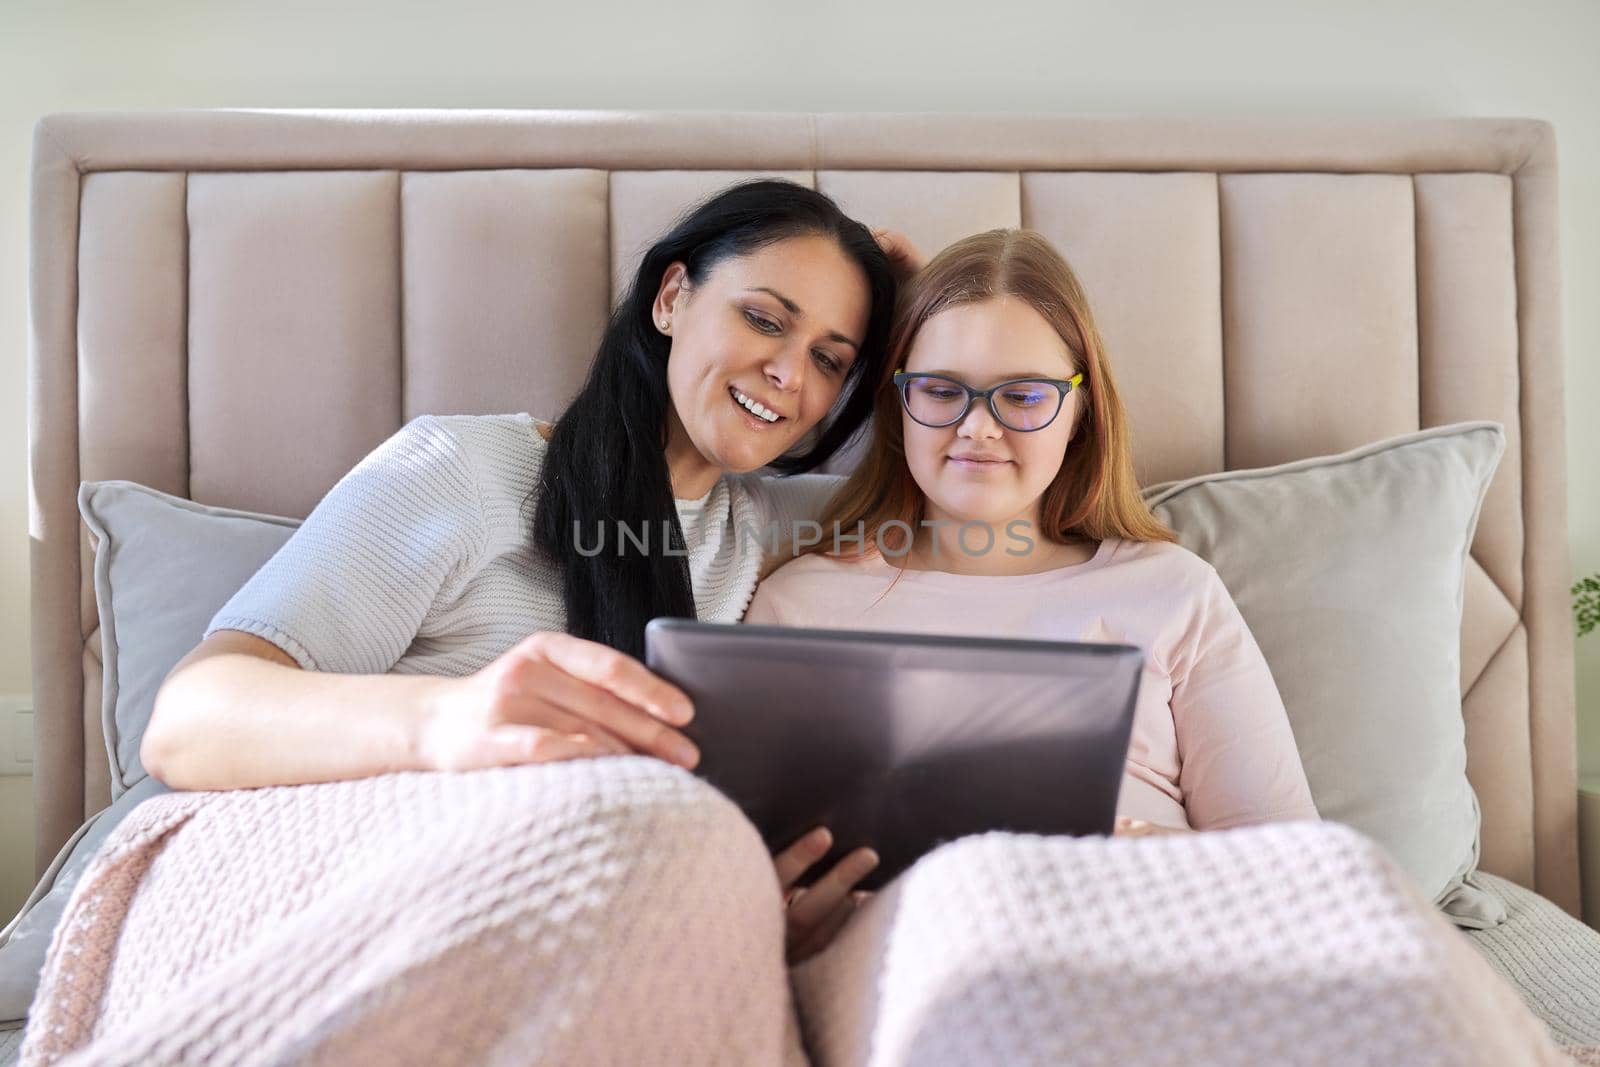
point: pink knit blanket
(619, 911)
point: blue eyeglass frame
(1063, 386)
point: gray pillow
(163, 566)
(1349, 571)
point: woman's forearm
(239, 721)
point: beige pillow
(1349, 570)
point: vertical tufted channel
(1467, 319)
(293, 332)
(504, 288)
(933, 208)
(1319, 313)
(646, 204)
(132, 379)
(1144, 246)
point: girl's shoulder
(817, 590)
(815, 563)
(1168, 554)
(816, 571)
(1168, 566)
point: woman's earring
(664, 324)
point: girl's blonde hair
(1094, 494)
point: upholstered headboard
(236, 306)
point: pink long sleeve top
(1211, 746)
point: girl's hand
(816, 913)
(1126, 826)
(904, 257)
(552, 697)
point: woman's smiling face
(760, 351)
(978, 470)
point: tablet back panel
(901, 741)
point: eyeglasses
(1021, 404)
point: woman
(443, 609)
(999, 499)
(408, 596)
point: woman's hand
(904, 257)
(1127, 826)
(816, 913)
(553, 697)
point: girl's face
(760, 350)
(978, 470)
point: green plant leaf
(1586, 603)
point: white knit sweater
(418, 561)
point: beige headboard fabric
(236, 306)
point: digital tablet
(902, 741)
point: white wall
(1237, 57)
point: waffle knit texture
(620, 911)
(418, 561)
(1551, 956)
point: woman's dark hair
(606, 461)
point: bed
(233, 307)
